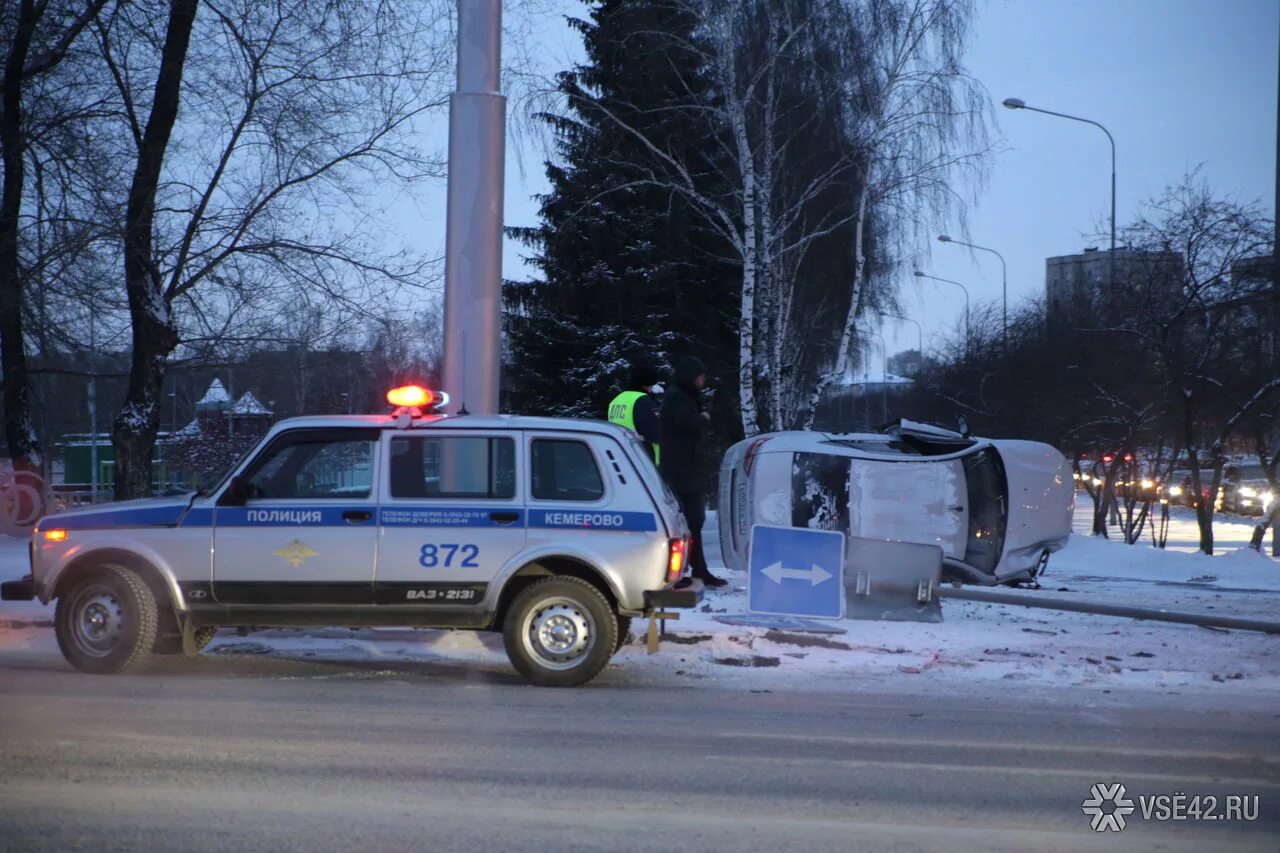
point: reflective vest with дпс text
(622, 411)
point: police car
(556, 532)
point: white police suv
(554, 531)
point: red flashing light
(415, 397)
(1128, 457)
(1108, 458)
(675, 564)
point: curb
(26, 623)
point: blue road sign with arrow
(796, 572)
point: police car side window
(564, 470)
(339, 467)
(454, 466)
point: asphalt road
(253, 754)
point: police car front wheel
(560, 632)
(106, 621)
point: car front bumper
(21, 590)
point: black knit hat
(643, 375)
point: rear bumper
(23, 590)
(663, 599)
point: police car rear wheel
(107, 621)
(560, 632)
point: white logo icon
(1102, 819)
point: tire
(624, 632)
(171, 644)
(107, 621)
(560, 632)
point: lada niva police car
(554, 531)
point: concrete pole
(93, 408)
(473, 236)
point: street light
(968, 332)
(1019, 104)
(1004, 286)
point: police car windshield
(222, 481)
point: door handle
(504, 517)
(357, 516)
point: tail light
(750, 458)
(678, 553)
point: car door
(308, 532)
(452, 515)
(583, 501)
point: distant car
(997, 508)
(1251, 497)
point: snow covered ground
(979, 646)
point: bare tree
(39, 36)
(295, 111)
(1211, 376)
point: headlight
(1247, 492)
(1175, 491)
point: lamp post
(968, 332)
(1019, 104)
(1004, 285)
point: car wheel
(624, 632)
(107, 621)
(560, 632)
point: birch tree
(918, 122)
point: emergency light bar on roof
(410, 400)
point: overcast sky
(1179, 83)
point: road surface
(237, 752)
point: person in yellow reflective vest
(638, 411)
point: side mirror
(237, 493)
(962, 426)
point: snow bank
(1098, 558)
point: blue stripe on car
(152, 516)
(580, 519)
(310, 515)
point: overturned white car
(997, 508)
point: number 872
(443, 554)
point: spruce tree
(627, 270)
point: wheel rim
(558, 633)
(97, 620)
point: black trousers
(695, 514)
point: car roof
(389, 422)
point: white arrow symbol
(778, 574)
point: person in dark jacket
(684, 426)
